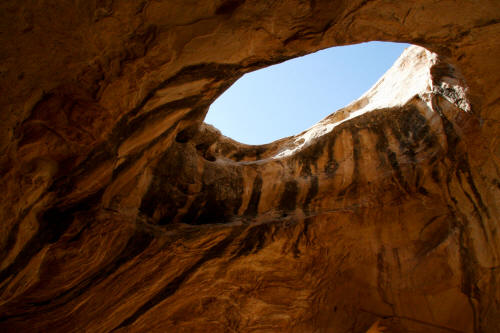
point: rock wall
(121, 211)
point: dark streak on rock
(136, 244)
(313, 190)
(457, 155)
(413, 133)
(53, 223)
(387, 155)
(253, 241)
(11, 241)
(393, 161)
(253, 204)
(469, 276)
(309, 156)
(382, 276)
(219, 199)
(167, 191)
(130, 159)
(228, 7)
(214, 252)
(304, 234)
(288, 199)
(332, 165)
(440, 230)
(435, 174)
(215, 209)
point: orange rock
(122, 211)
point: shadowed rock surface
(121, 211)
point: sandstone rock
(121, 211)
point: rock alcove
(121, 211)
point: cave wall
(121, 211)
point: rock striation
(122, 212)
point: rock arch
(120, 211)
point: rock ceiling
(122, 212)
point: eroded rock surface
(121, 211)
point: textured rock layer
(121, 211)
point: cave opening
(287, 98)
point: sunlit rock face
(121, 211)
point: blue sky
(287, 98)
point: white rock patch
(408, 77)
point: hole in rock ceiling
(286, 99)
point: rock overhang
(100, 197)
